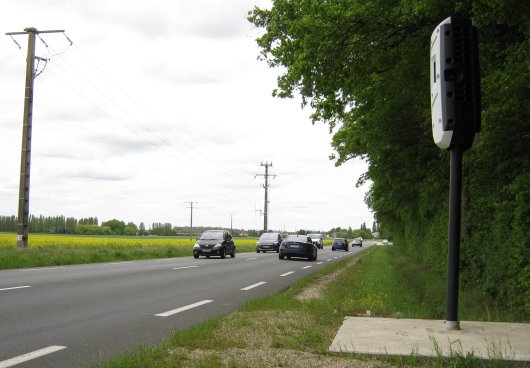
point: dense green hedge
(363, 67)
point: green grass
(384, 280)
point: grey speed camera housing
(455, 84)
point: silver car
(317, 239)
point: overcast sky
(159, 103)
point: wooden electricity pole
(25, 157)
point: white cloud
(159, 103)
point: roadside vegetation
(363, 69)
(295, 328)
(55, 250)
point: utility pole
(191, 218)
(266, 186)
(25, 157)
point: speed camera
(455, 84)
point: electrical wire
(133, 118)
(219, 168)
(141, 137)
(157, 121)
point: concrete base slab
(427, 338)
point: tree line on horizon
(90, 226)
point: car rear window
(300, 238)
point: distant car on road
(268, 242)
(298, 246)
(215, 243)
(317, 239)
(357, 241)
(385, 241)
(340, 243)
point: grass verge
(292, 329)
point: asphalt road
(72, 316)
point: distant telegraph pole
(266, 186)
(25, 157)
(191, 218)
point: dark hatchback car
(340, 243)
(214, 243)
(269, 242)
(298, 246)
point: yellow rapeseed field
(72, 241)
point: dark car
(298, 246)
(215, 243)
(340, 243)
(268, 242)
(318, 240)
(357, 241)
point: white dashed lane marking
(30, 356)
(253, 286)
(303, 268)
(40, 269)
(182, 309)
(184, 268)
(15, 287)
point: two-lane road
(73, 315)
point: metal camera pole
(453, 260)
(455, 107)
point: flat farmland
(55, 250)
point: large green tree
(363, 68)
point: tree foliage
(363, 68)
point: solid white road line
(185, 267)
(15, 287)
(41, 269)
(118, 263)
(303, 268)
(253, 286)
(182, 309)
(287, 273)
(29, 356)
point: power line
(166, 148)
(218, 166)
